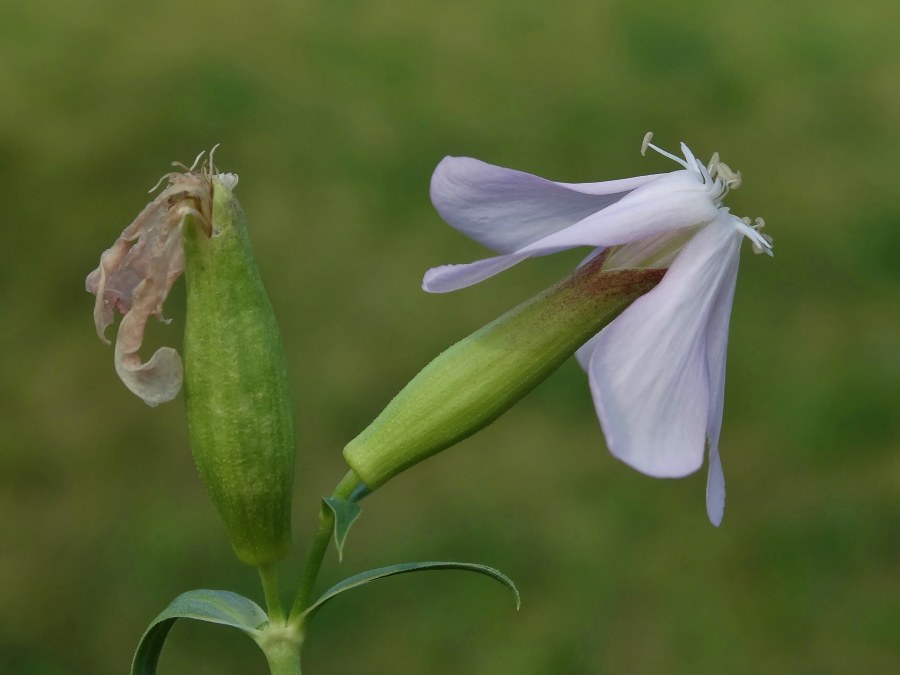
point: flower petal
(505, 209)
(159, 379)
(586, 352)
(670, 202)
(649, 370)
(715, 488)
(448, 278)
(121, 265)
(716, 348)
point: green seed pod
(239, 409)
(476, 380)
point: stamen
(759, 224)
(758, 249)
(197, 160)
(184, 167)
(647, 144)
(761, 243)
(733, 179)
(212, 167)
(165, 176)
(719, 170)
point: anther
(720, 170)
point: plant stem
(319, 547)
(268, 575)
(281, 645)
(284, 662)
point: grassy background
(334, 114)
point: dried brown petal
(135, 275)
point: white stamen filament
(647, 144)
(762, 243)
(689, 162)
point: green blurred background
(334, 113)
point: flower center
(721, 179)
(717, 173)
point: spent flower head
(239, 410)
(137, 272)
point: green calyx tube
(476, 380)
(239, 410)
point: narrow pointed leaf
(345, 514)
(369, 576)
(223, 607)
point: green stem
(284, 662)
(281, 645)
(268, 575)
(319, 547)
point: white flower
(657, 372)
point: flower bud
(239, 407)
(479, 378)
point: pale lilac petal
(586, 352)
(657, 251)
(505, 209)
(649, 371)
(448, 278)
(716, 348)
(672, 202)
(715, 488)
(717, 345)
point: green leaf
(224, 607)
(345, 514)
(369, 576)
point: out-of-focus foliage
(334, 114)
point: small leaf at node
(224, 607)
(345, 514)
